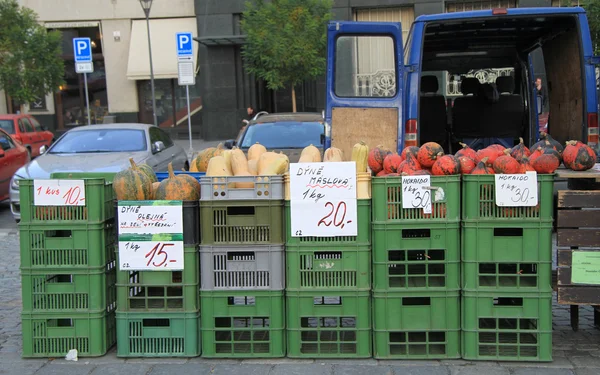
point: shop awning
(164, 48)
(231, 40)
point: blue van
(464, 77)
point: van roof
(510, 12)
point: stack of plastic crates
(506, 274)
(159, 311)
(328, 290)
(416, 272)
(68, 272)
(242, 259)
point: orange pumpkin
(178, 187)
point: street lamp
(146, 5)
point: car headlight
(14, 183)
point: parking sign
(184, 45)
(82, 49)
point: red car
(26, 130)
(12, 157)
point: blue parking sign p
(184, 44)
(82, 49)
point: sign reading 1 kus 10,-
(150, 235)
(516, 190)
(58, 193)
(323, 199)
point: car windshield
(8, 126)
(101, 140)
(284, 135)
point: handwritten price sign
(323, 199)
(151, 255)
(150, 235)
(416, 192)
(516, 190)
(59, 193)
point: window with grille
(463, 6)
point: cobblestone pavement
(574, 352)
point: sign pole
(187, 94)
(87, 99)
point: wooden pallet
(578, 229)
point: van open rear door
(365, 87)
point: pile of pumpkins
(139, 182)
(429, 159)
(360, 154)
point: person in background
(250, 116)
(541, 91)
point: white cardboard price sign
(516, 190)
(150, 235)
(416, 192)
(323, 199)
(58, 193)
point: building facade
(119, 88)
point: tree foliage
(286, 40)
(592, 8)
(30, 62)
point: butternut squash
(217, 168)
(255, 151)
(271, 163)
(333, 154)
(239, 165)
(227, 156)
(310, 154)
(360, 155)
(253, 167)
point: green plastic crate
(416, 257)
(416, 325)
(507, 326)
(74, 291)
(167, 291)
(327, 267)
(387, 201)
(98, 205)
(363, 236)
(242, 222)
(243, 324)
(66, 246)
(479, 201)
(506, 276)
(509, 242)
(53, 335)
(334, 324)
(158, 334)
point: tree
(30, 62)
(286, 41)
(592, 8)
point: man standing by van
(541, 91)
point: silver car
(101, 148)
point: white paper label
(516, 190)
(416, 192)
(59, 193)
(164, 255)
(150, 235)
(323, 199)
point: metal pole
(87, 99)
(151, 70)
(187, 94)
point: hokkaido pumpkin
(465, 151)
(333, 154)
(360, 155)
(491, 153)
(466, 164)
(551, 142)
(520, 150)
(411, 165)
(176, 187)
(255, 151)
(421, 172)
(546, 163)
(525, 165)
(391, 163)
(253, 167)
(536, 153)
(381, 173)
(445, 165)
(428, 153)
(132, 184)
(216, 167)
(578, 156)
(376, 157)
(482, 167)
(410, 149)
(239, 165)
(506, 164)
(310, 154)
